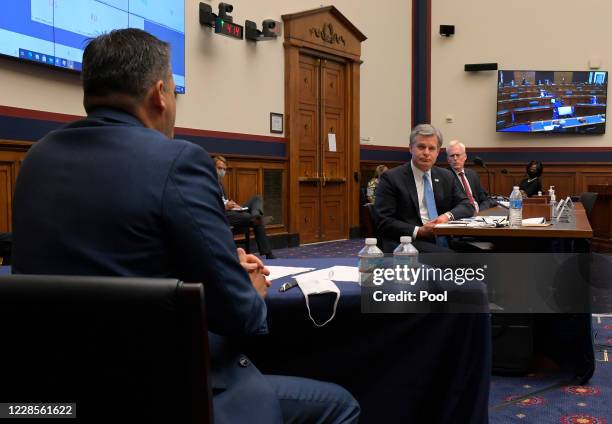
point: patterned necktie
(466, 187)
(430, 201)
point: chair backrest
(588, 199)
(122, 349)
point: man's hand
(426, 231)
(231, 205)
(256, 270)
(442, 219)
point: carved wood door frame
(325, 34)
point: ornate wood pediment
(325, 28)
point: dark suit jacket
(479, 193)
(397, 203)
(107, 196)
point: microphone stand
(479, 162)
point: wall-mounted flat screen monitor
(55, 32)
(552, 101)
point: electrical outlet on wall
(450, 119)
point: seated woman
(373, 183)
(532, 184)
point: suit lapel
(436, 183)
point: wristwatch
(451, 217)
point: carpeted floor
(544, 401)
(542, 397)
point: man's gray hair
(456, 143)
(425, 130)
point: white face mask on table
(320, 286)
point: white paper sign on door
(332, 142)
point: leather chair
(588, 199)
(122, 349)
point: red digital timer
(228, 28)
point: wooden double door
(322, 145)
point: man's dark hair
(126, 61)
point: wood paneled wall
(11, 156)
(247, 176)
(569, 179)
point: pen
(287, 286)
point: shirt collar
(418, 173)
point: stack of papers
(477, 221)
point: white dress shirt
(419, 182)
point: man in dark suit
(411, 199)
(468, 178)
(114, 195)
(250, 217)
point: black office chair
(588, 199)
(6, 246)
(122, 349)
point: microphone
(504, 171)
(478, 161)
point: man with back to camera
(468, 178)
(411, 199)
(121, 198)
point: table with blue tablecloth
(401, 368)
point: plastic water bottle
(516, 208)
(370, 258)
(405, 255)
(553, 202)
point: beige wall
(517, 34)
(234, 85)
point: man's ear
(157, 98)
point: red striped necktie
(466, 187)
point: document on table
(334, 273)
(277, 272)
(535, 222)
(477, 221)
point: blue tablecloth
(402, 368)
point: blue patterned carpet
(589, 404)
(553, 403)
(333, 249)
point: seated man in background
(468, 178)
(412, 198)
(122, 198)
(248, 215)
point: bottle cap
(371, 241)
(405, 239)
(515, 188)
